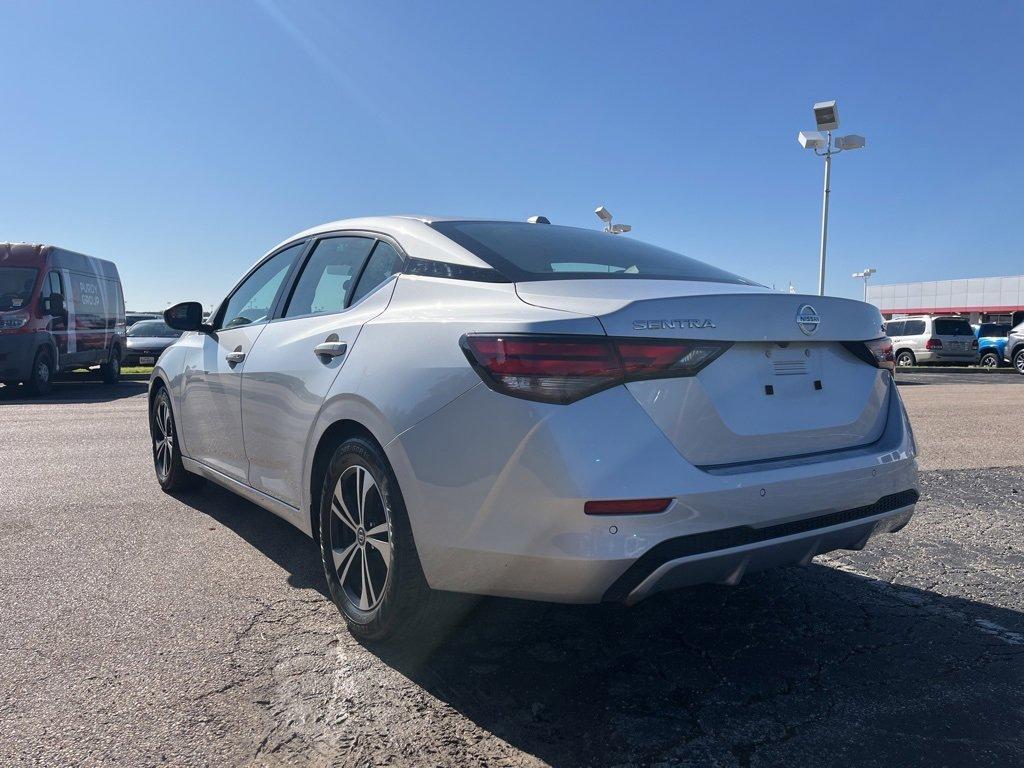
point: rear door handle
(330, 349)
(234, 358)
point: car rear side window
(524, 252)
(329, 275)
(988, 330)
(913, 328)
(895, 327)
(953, 326)
(383, 263)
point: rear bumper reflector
(626, 507)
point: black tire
(170, 472)
(40, 380)
(402, 605)
(989, 359)
(1018, 361)
(905, 358)
(111, 370)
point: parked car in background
(59, 310)
(147, 339)
(1014, 350)
(531, 410)
(991, 343)
(131, 318)
(924, 339)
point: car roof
(413, 233)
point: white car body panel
(211, 400)
(284, 387)
(495, 485)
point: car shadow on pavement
(795, 666)
(811, 666)
(287, 546)
(65, 392)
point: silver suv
(924, 339)
(1014, 351)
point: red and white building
(988, 299)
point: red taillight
(933, 344)
(563, 369)
(626, 507)
(877, 352)
(881, 351)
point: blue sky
(184, 139)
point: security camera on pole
(826, 117)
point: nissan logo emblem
(807, 319)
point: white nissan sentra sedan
(530, 410)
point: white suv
(926, 339)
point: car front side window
(253, 300)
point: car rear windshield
(16, 285)
(988, 330)
(153, 329)
(952, 326)
(523, 252)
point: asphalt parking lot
(140, 629)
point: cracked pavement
(139, 629)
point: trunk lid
(786, 387)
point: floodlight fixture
(826, 118)
(826, 115)
(811, 140)
(850, 141)
(613, 229)
(865, 275)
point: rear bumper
(724, 557)
(495, 489)
(938, 356)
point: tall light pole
(865, 276)
(826, 117)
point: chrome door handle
(234, 358)
(330, 349)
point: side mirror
(186, 316)
(53, 304)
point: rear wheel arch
(331, 438)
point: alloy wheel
(1018, 362)
(989, 361)
(361, 537)
(163, 437)
(904, 360)
(43, 371)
